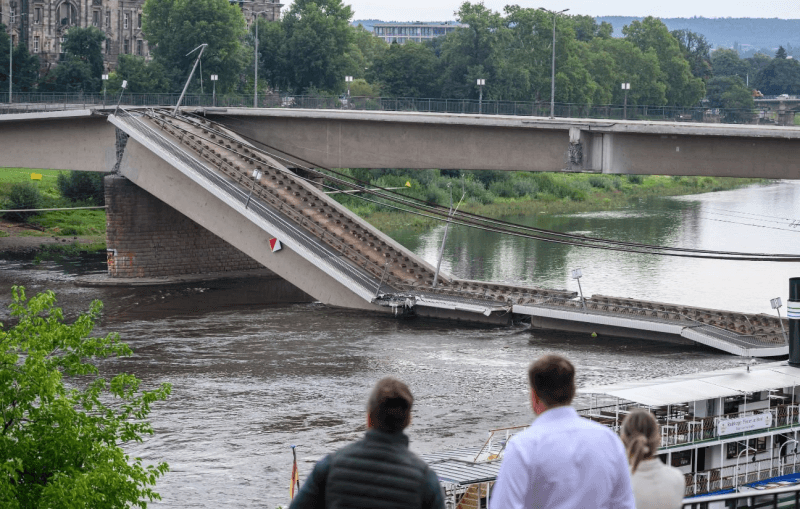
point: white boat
(725, 430)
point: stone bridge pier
(149, 241)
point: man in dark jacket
(378, 471)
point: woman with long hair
(655, 485)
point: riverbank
(598, 198)
(51, 234)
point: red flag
(295, 484)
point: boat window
(683, 458)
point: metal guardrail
(23, 102)
(775, 498)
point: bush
(64, 424)
(525, 187)
(23, 195)
(599, 182)
(82, 186)
(635, 179)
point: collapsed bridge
(256, 201)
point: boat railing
(745, 472)
(781, 496)
(486, 452)
(680, 427)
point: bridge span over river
(221, 170)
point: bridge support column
(148, 238)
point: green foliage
(142, 76)
(318, 36)
(406, 70)
(63, 424)
(175, 27)
(23, 195)
(74, 75)
(780, 76)
(696, 50)
(635, 179)
(726, 62)
(781, 53)
(86, 44)
(730, 93)
(650, 34)
(82, 186)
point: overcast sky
(442, 10)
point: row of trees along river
(313, 47)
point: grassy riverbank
(65, 232)
(496, 194)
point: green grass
(56, 252)
(91, 223)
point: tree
(4, 46)
(731, 94)
(683, 89)
(406, 70)
(74, 75)
(781, 53)
(61, 439)
(615, 61)
(142, 76)
(271, 46)
(86, 44)
(175, 27)
(586, 28)
(26, 69)
(781, 76)
(696, 50)
(726, 62)
(318, 36)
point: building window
(125, 22)
(37, 15)
(36, 44)
(108, 19)
(126, 47)
(68, 14)
(108, 46)
(95, 18)
(61, 45)
(140, 20)
(139, 47)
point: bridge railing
(23, 102)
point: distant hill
(750, 34)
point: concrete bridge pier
(147, 240)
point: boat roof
(702, 386)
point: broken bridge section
(250, 199)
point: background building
(416, 31)
(41, 24)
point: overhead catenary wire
(439, 213)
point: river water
(251, 380)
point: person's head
(389, 406)
(641, 435)
(552, 380)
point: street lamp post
(625, 87)
(346, 102)
(776, 305)
(11, 54)
(214, 78)
(105, 79)
(553, 68)
(578, 274)
(481, 83)
(255, 64)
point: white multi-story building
(417, 31)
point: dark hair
(389, 405)
(552, 377)
(640, 434)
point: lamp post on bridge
(214, 78)
(11, 53)
(578, 274)
(625, 87)
(553, 68)
(255, 63)
(481, 83)
(105, 80)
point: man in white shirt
(562, 461)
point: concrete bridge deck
(247, 196)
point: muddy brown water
(252, 378)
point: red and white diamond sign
(275, 245)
